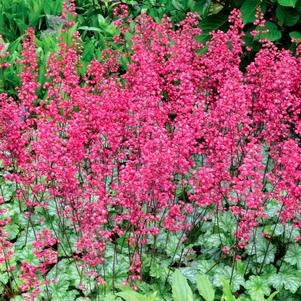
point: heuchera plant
(110, 151)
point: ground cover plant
(157, 168)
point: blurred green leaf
(87, 28)
(181, 291)
(295, 35)
(3, 278)
(225, 273)
(12, 230)
(273, 33)
(287, 279)
(290, 3)
(55, 22)
(271, 297)
(293, 256)
(202, 7)
(190, 273)
(257, 287)
(211, 23)
(131, 295)
(228, 296)
(298, 6)
(286, 15)
(205, 288)
(248, 10)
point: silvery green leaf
(257, 287)
(293, 255)
(227, 274)
(55, 22)
(47, 32)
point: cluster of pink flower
(110, 151)
(69, 13)
(33, 276)
(6, 247)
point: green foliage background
(95, 23)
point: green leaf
(227, 222)
(152, 296)
(12, 230)
(22, 26)
(202, 7)
(295, 35)
(181, 291)
(267, 271)
(298, 6)
(204, 265)
(277, 281)
(101, 19)
(172, 247)
(110, 297)
(66, 295)
(288, 280)
(3, 277)
(88, 28)
(273, 33)
(257, 287)
(290, 3)
(131, 295)
(264, 251)
(120, 271)
(228, 296)
(158, 271)
(285, 295)
(288, 231)
(248, 10)
(225, 273)
(60, 289)
(26, 255)
(215, 240)
(286, 15)
(212, 23)
(271, 297)
(205, 287)
(291, 282)
(190, 273)
(55, 22)
(17, 298)
(7, 188)
(272, 209)
(241, 267)
(293, 256)
(177, 5)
